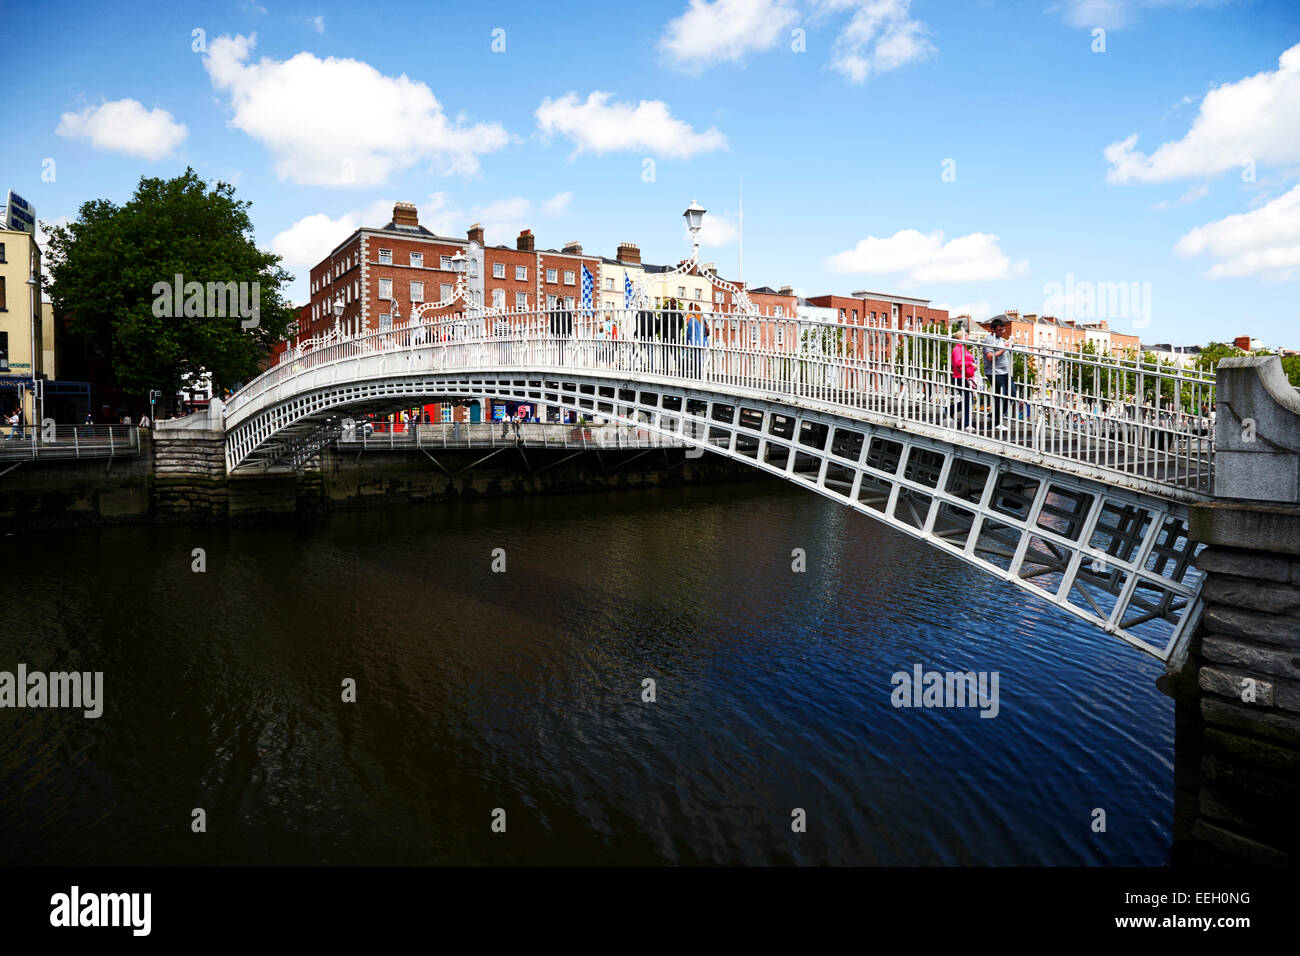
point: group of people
(995, 361)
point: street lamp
(694, 216)
(338, 310)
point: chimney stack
(786, 290)
(525, 241)
(404, 214)
(475, 234)
(573, 248)
(629, 253)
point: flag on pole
(588, 283)
(627, 291)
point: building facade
(26, 357)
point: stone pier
(1237, 764)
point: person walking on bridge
(997, 356)
(963, 376)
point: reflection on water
(523, 691)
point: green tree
(105, 265)
(1291, 365)
(1212, 353)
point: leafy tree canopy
(105, 269)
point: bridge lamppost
(338, 312)
(694, 216)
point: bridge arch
(1115, 555)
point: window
(753, 335)
(780, 312)
(551, 301)
(719, 297)
(4, 351)
(499, 297)
(609, 284)
(444, 262)
(498, 270)
(699, 294)
(417, 291)
(445, 414)
(568, 277)
(780, 334)
(446, 292)
(521, 301)
(2, 252)
(855, 316)
(568, 302)
(841, 315)
(417, 259)
(386, 257)
(521, 273)
(550, 275)
(681, 291)
(385, 288)
(473, 267)
(894, 309)
(385, 320)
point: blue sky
(978, 154)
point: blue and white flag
(628, 295)
(588, 283)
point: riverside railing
(418, 435)
(70, 441)
(1115, 414)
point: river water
(522, 691)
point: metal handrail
(1116, 414)
(70, 441)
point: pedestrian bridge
(1072, 480)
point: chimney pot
(405, 214)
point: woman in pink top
(963, 376)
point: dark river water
(523, 690)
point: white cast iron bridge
(1080, 497)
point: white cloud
(1195, 194)
(125, 126)
(724, 31)
(718, 230)
(979, 311)
(1254, 119)
(1264, 242)
(43, 232)
(340, 122)
(317, 23)
(310, 239)
(558, 204)
(599, 126)
(927, 257)
(881, 36)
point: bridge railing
(36, 442)
(417, 435)
(1116, 414)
